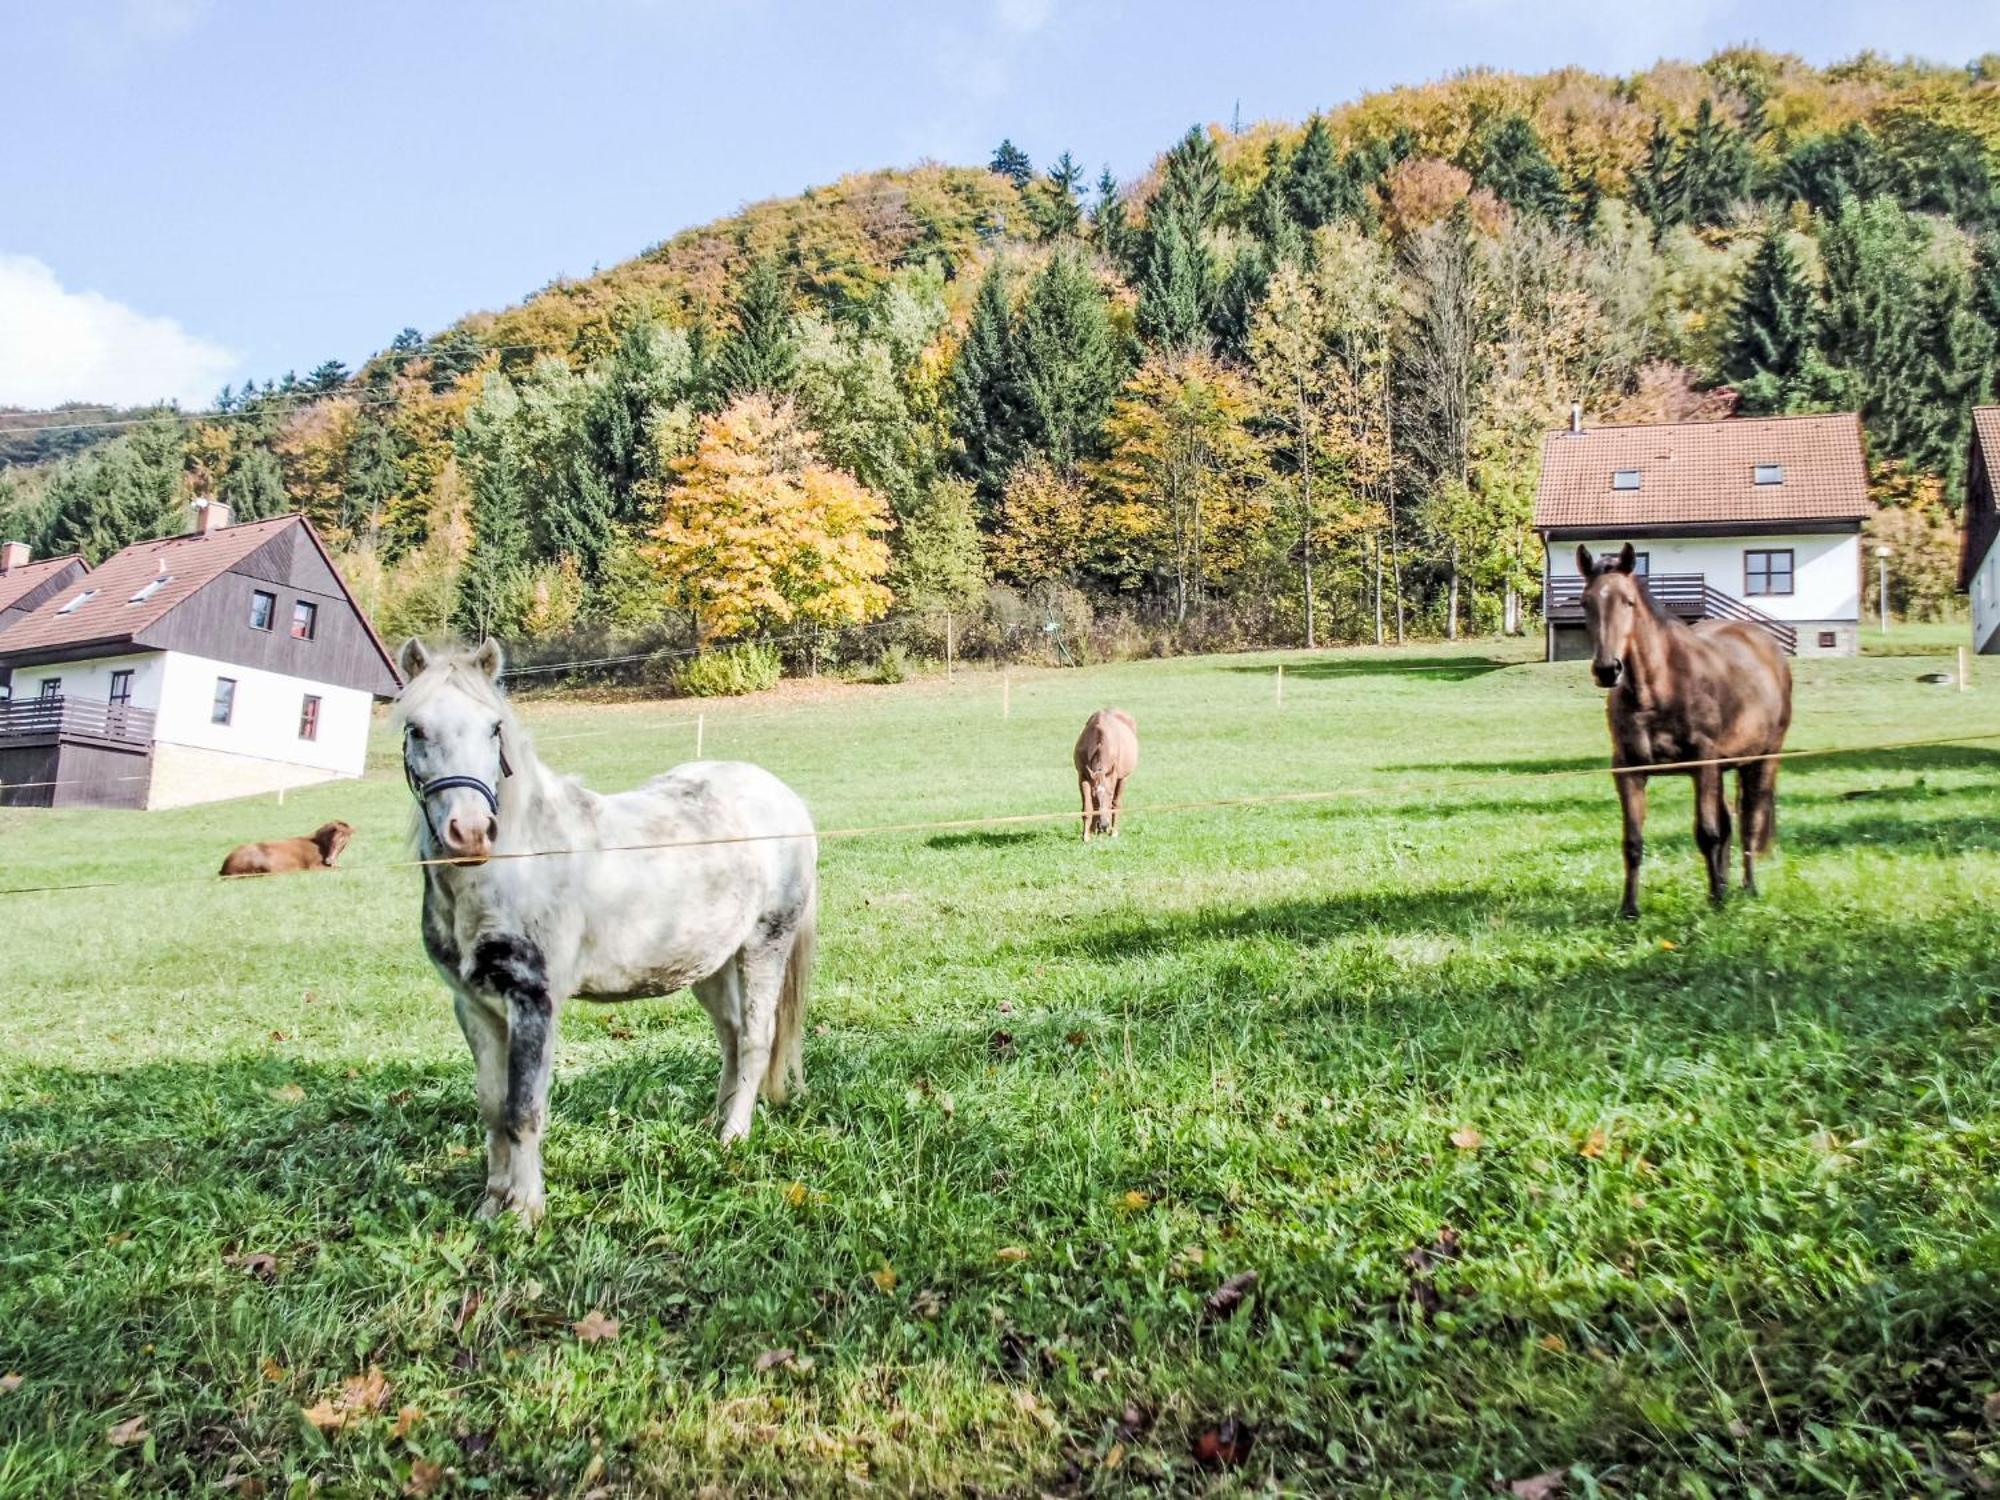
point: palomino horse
(704, 876)
(1716, 693)
(1107, 752)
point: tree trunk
(1396, 563)
(1306, 504)
(1451, 614)
(1512, 622)
(1375, 549)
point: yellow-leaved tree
(754, 530)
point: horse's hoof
(530, 1210)
(1628, 913)
(492, 1205)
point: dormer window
(1624, 479)
(1768, 474)
(78, 602)
(151, 589)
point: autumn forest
(1288, 386)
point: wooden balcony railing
(74, 718)
(1686, 596)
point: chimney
(1576, 416)
(13, 555)
(209, 515)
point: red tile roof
(17, 583)
(109, 615)
(1702, 474)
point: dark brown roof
(1981, 521)
(18, 583)
(108, 615)
(1703, 474)
(131, 600)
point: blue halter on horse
(422, 790)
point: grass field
(1700, 1205)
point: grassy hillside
(1701, 1205)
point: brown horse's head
(332, 838)
(1612, 605)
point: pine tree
(1272, 220)
(253, 487)
(1656, 188)
(760, 355)
(1067, 361)
(330, 376)
(1012, 163)
(1773, 335)
(1110, 226)
(939, 563)
(1827, 169)
(1986, 306)
(489, 450)
(1712, 171)
(1177, 288)
(1512, 163)
(985, 396)
(1317, 189)
(1056, 208)
(373, 476)
(1191, 178)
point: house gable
(1980, 523)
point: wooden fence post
(1281, 684)
(947, 645)
(1964, 669)
(700, 726)
(1006, 695)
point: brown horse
(283, 856)
(1106, 753)
(1716, 693)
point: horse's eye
(414, 733)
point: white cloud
(58, 345)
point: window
(309, 718)
(263, 609)
(1642, 564)
(1768, 474)
(51, 687)
(151, 589)
(225, 701)
(1624, 479)
(1827, 640)
(1767, 572)
(78, 602)
(305, 620)
(121, 689)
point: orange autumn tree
(755, 530)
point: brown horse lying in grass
(283, 856)
(1715, 692)
(1106, 753)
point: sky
(193, 192)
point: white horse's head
(456, 727)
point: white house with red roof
(1979, 557)
(1747, 518)
(224, 662)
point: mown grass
(1727, 1226)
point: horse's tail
(787, 1069)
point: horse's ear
(1627, 559)
(1585, 563)
(488, 659)
(413, 658)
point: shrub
(728, 674)
(894, 664)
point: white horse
(730, 910)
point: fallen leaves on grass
(1553, 1342)
(1538, 1486)
(1593, 1145)
(1225, 1445)
(273, 1371)
(288, 1093)
(10, 1383)
(467, 1306)
(406, 1418)
(255, 1263)
(1001, 1045)
(885, 1278)
(360, 1396)
(1010, 1253)
(1227, 1298)
(1467, 1139)
(1134, 1201)
(126, 1433)
(770, 1359)
(927, 1304)
(426, 1478)
(594, 1328)
(1991, 1409)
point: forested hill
(1290, 380)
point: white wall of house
(90, 681)
(1826, 569)
(1985, 593)
(264, 722)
